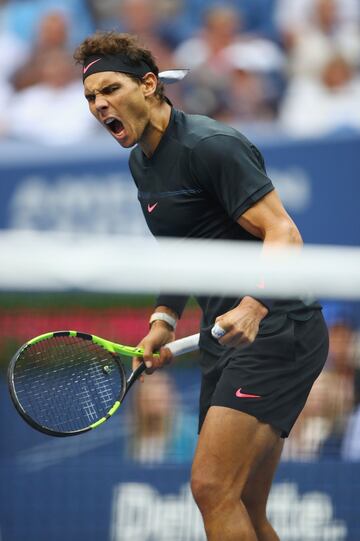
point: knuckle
(156, 363)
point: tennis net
(122, 482)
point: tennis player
(199, 178)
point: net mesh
(138, 465)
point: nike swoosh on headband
(91, 64)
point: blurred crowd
(289, 65)
(161, 427)
(329, 425)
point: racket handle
(184, 345)
(217, 331)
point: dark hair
(110, 43)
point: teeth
(109, 120)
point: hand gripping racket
(66, 383)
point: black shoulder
(230, 146)
(213, 138)
(232, 169)
(196, 128)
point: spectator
(52, 34)
(351, 443)
(324, 33)
(258, 17)
(343, 348)
(180, 19)
(171, 24)
(344, 355)
(53, 111)
(235, 77)
(159, 429)
(323, 429)
(22, 18)
(292, 16)
(5, 97)
(255, 81)
(323, 105)
(206, 86)
(341, 322)
(15, 53)
(221, 28)
(142, 18)
(319, 430)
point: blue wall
(99, 499)
(90, 188)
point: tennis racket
(67, 382)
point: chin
(126, 144)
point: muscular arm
(268, 220)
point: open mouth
(114, 125)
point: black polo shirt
(201, 178)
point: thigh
(257, 488)
(231, 445)
(207, 389)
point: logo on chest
(151, 208)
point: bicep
(267, 219)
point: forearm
(284, 234)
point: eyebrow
(101, 89)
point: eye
(110, 89)
(90, 97)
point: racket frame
(112, 347)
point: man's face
(119, 104)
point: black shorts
(272, 377)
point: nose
(100, 103)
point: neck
(156, 127)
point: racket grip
(217, 331)
(184, 345)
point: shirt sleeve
(232, 170)
(176, 303)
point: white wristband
(162, 316)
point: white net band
(47, 261)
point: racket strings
(67, 383)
